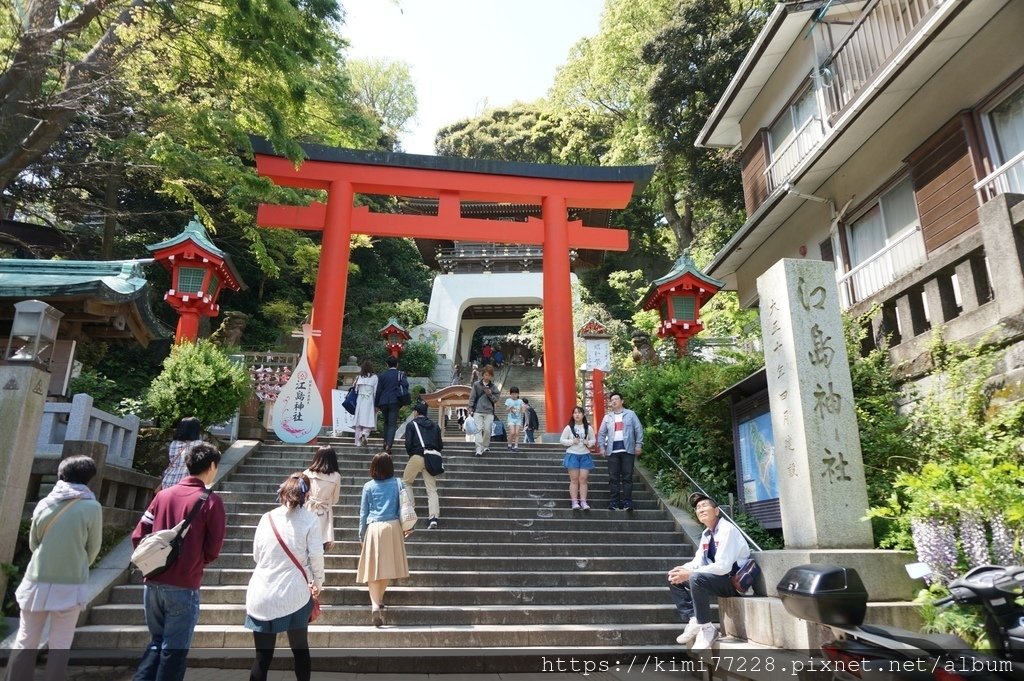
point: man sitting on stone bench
(693, 584)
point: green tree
(529, 133)
(385, 87)
(215, 70)
(694, 57)
(199, 380)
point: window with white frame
(885, 241)
(1004, 126)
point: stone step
(491, 534)
(568, 563)
(521, 503)
(468, 467)
(121, 637)
(512, 568)
(354, 595)
(519, 546)
(460, 448)
(443, 576)
(501, 488)
(491, 461)
(457, 518)
(425, 615)
(463, 511)
(459, 662)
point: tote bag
(351, 398)
(407, 508)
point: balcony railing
(882, 28)
(1007, 178)
(473, 257)
(808, 136)
(882, 268)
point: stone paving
(212, 674)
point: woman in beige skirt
(382, 557)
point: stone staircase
(512, 570)
(530, 381)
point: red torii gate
(344, 172)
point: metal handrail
(700, 489)
(779, 154)
(881, 29)
(877, 255)
(1000, 171)
(845, 282)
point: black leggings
(298, 641)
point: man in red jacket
(171, 598)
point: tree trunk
(110, 212)
(681, 225)
(31, 119)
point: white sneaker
(575, 505)
(689, 633)
(707, 634)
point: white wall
(453, 294)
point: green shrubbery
(960, 501)
(418, 359)
(198, 380)
(674, 402)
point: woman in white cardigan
(579, 439)
(278, 598)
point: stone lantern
(199, 272)
(678, 297)
(394, 336)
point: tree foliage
(694, 57)
(179, 85)
(529, 133)
(385, 88)
(642, 51)
(673, 401)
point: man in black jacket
(389, 385)
(423, 427)
(532, 422)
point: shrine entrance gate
(342, 173)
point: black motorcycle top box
(828, 594)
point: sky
(468, 55)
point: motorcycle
(834, 596)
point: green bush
(417, 359)
(198, 380)
(673, 401)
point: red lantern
(678, 297)
(199, 271)
(394, 334)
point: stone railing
(124, 493)
(79, 420)
(967, 287)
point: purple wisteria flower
(973, 539)
(1002, 541)
(936, 545)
